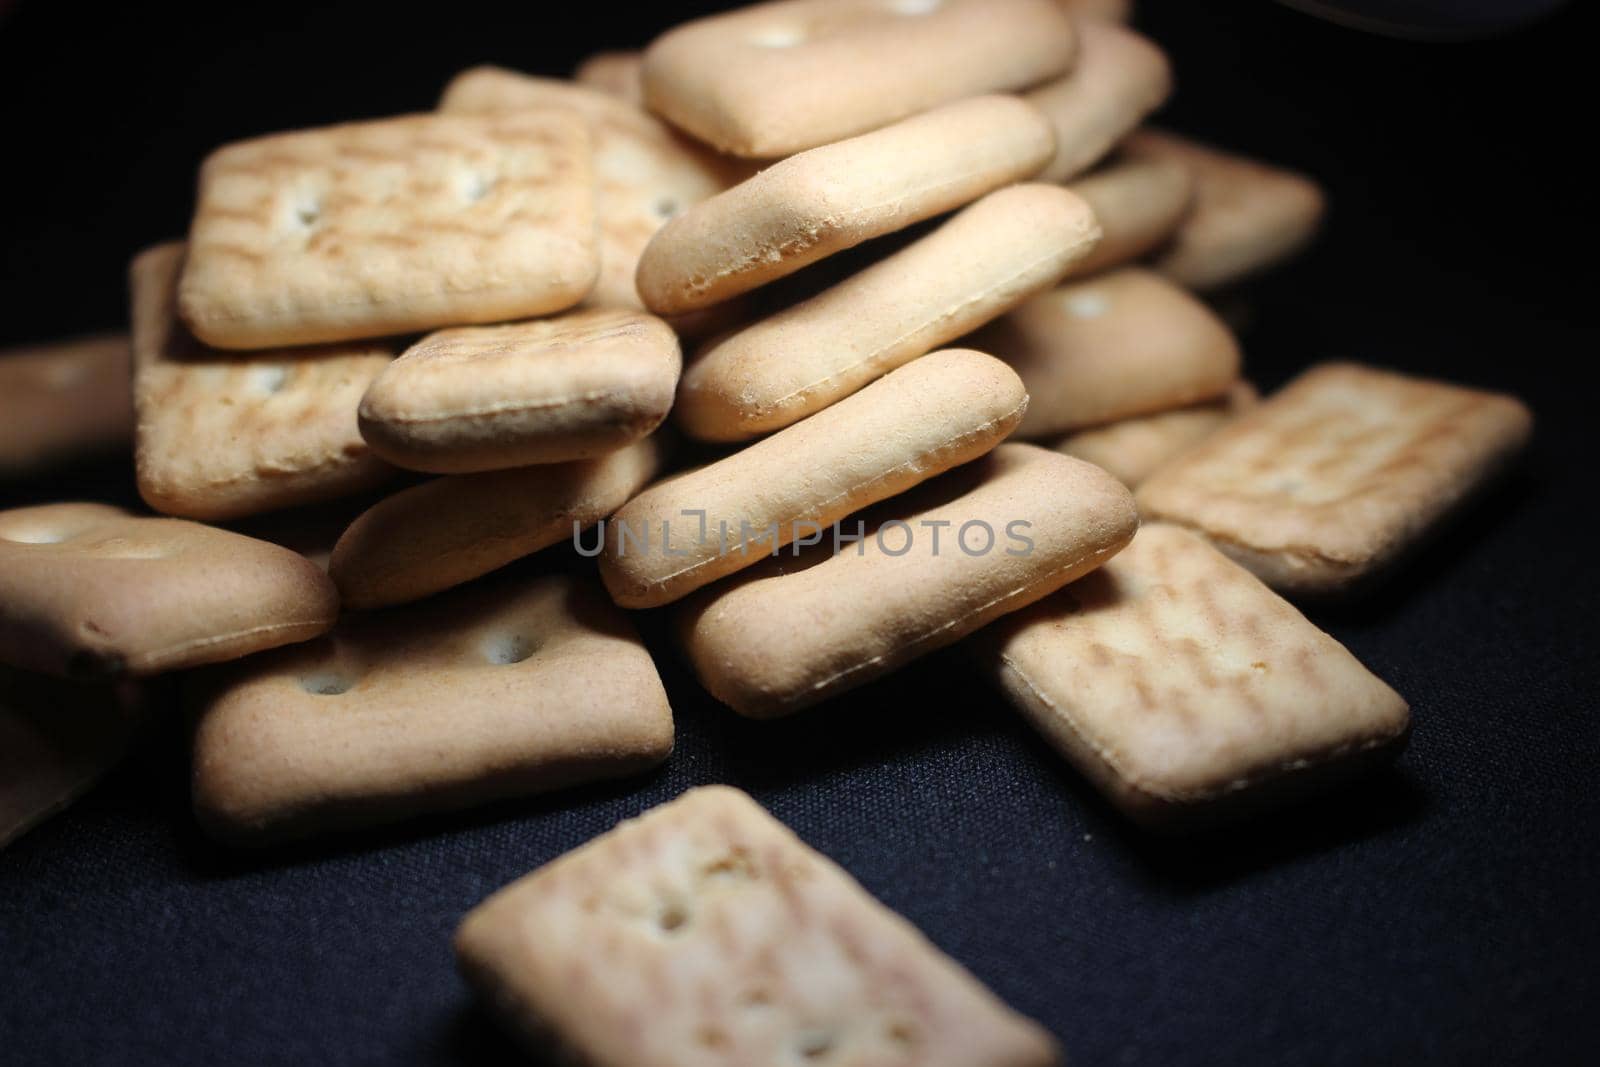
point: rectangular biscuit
(1332, 478)
(62, 401)
(221, 435)
(769, 80)
(376, 228)
(706, 934)
(1185, 689)
(527, 685)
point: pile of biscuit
(895, 239)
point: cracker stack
(874, 240)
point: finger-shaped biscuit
(739, 943)
(1120, 78)
(645, 172)
(1139, 203)
(91, 591)
(930, 415)
(1134, 448)
(495, 691)
(1119, 344)
(222, 435)
(773, 79)
(1247, 215)
(984, 540)
(63, 400)
(618, 74)
(828, 199)
(1335, 476)
(986, 259)
(480, 398)
(1185, 689)
(385, 227)
(56, 739)
(450, 530)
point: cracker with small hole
(932, 566)
(1329, 482)
(828, 199)
(530, 684)
(451, 530)
(1186, 690)
(935, 413)
(989, 257)
(1135, 448)
(1247, 215)
(481, 398)
(1139, 203)
(90, 591)
(704, 933)
(57, 739)
(1109, 347)
(769, 80)
(1119, 79)
(221, 435)
(615, 73)
(391, 226)
(645, 172)
(63, 401)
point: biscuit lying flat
(1183, 687)
(1139, 204)
(1119, 344)
(56, 740)
(386, 227)
(62, 401)
(1120, 78)
(222, 435)
(91, 591)
(481, 398)
(1336, 475)
(1247, 215)
(835, 197)
(1134, 448)
(930, 415)
(618, 74)
(491, 692)
(450, 530)
(984, 540)
(986, 259)
(738, 944)
(773, 79)
(645, 172)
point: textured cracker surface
(705, 933)
(1134, 448)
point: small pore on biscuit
(1088, 305)
(505, 649)
(666, 207)
(326, 685)
(479, 186)
(815, 1044)
(37, 535)
(269, 380)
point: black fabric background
(1439, 912)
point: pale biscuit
(1139, 203)
(930, 415)
(618, 74)
(1119, 344)
(1184, 689)
(1104, 10)
(222, 435)
(738, 943)
(91, 591)
(1134, 448)
(986, 259)
(479, 398)
(984, 540)
(645, 173)
(57, 738)
(1247, 215)
(823, 201)
(773, 79)
(62, 401)
(521, 687)
(1331, 479)
(1119, 79)
(450, 530)
(385, 227)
